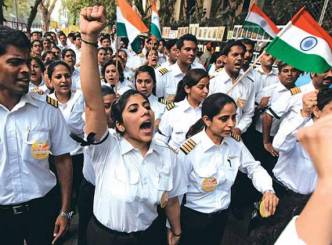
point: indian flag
(304, 44)
(155, 23)
(260, 21)
(129, 24)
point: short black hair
(9, 36)
(232, 43)
(52, 65)
(185, 37)
(106, 90)
(64, 51)
(248, 41)
(324, 97)
(170, 43)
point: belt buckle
(19, 209)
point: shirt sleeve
(259, 176)
(179, 178)
(165, 128)
(279, 107)
(289, 235)
(61, 142)
(285, 138)
(75, 121)
(248, 111)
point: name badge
(209, 184)
(40, 151)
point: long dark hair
(211, 106)
(192, 77)
(151, 72)
(119, 105)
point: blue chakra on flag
(262, 23)
(308, 43)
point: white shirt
(275, 92)
(289, 235)
(175, 123)
(221, 162)
(40, 89)
(76, 79)
(72, 112)
(167, 83)
(242, 93)
(294, 168)
(157, 107)
(28, 133)
(263, 80)
(288, 102)
(129, 186)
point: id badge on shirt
(40, 151)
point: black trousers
(77, 178)
(101, 235)
(200, 228)
(34, 225)
(290, 204)
(85, 209)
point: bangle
(177, 235)
(94, 44)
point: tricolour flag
(129, 24)
(304, 44)
(262, 23)
(155, 23)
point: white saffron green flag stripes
(304, 44)
(262, 23)
(155, 23)
(129, 24)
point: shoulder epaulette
(236, 137)
(52, 102)
(163, 70)
(295, 90)
(170, 105)
(162, 100)
(188, 146)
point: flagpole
(256, 60)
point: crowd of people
(158, 145)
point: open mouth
(146, 125)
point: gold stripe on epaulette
(162, 100)
(163, 71)
(170, 105)
(236, 137)
(52, 102)
(295, 90)
(188, 146)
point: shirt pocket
(37, 145)
(205, 178)
(160, 182)
(125, 184)
(179, 136)
(231, 168)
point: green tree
(74, 7)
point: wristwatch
(67, 215)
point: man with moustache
(30, 130)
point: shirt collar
(25, 99)
(127, 147)
(185, 105)
(207, 143)
(261, 71)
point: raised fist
(92, 22)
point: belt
(22, 208)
